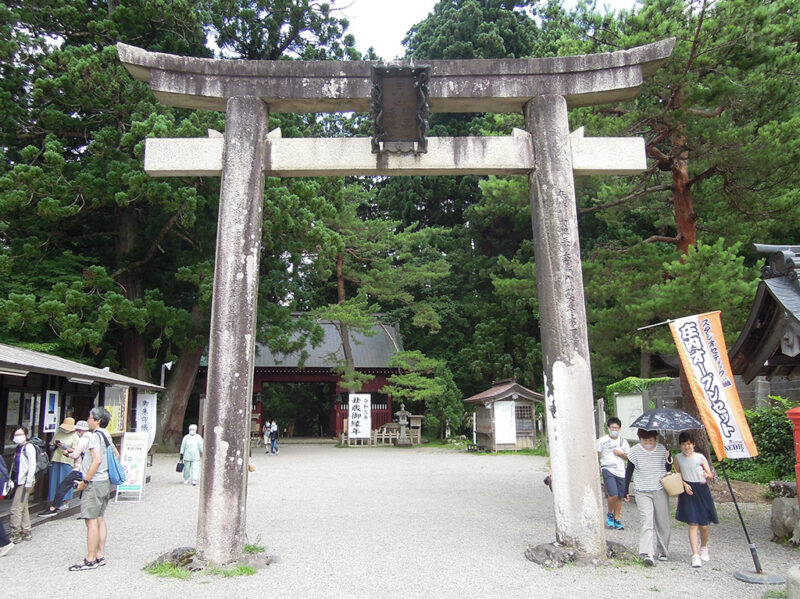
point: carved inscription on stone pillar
(399, 109)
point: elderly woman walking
(191, 452)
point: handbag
(179, 467)
(673, 484)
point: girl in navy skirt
(695, 504)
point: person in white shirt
(613, 451)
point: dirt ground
(745, 492)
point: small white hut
(505, 418)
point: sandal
(86, 565)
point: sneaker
(662, 557)
(696, 562)
(704, 554)
(609, 520)
(26, 536)
(194, 483)
(63, 507)
(100, 561)
(186, 482)
(48, 512)
(85, 565)
(618, 525)
(6, 548)
(649, 561)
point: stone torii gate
(542, 89)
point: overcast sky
(382, 24)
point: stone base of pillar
(554, 555)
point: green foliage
(424, 379)
(168, 570)
(633, 384)
(230, 571)
(773, 434)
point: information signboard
(134, 459)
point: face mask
(19, 439)
(613, 434)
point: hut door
(505, 423)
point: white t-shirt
(608, 459)
(692, 468)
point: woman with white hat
(191, 452)
(61, 465)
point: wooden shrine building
(505, 416)
(371, 355)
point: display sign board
(628, 407)
(359, 422)
(52, 408)
(134, 459)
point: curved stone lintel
(502, 85)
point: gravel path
(383, 522)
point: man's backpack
(42, 460)
(5, 478)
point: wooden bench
(151, 452)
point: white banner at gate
(359, 420)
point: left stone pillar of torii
(223, 496)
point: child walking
(649, 461)
(613, 451)
(695, 504)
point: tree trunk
(685, 217)
(176, 397)
(172, 406)
(344, 330)
(132, 350)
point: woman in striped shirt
(648, 460)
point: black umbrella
(666, 419)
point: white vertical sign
(359, 420)
(146, 416)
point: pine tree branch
(133, 266)
(627, 198)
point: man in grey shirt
(96, 489)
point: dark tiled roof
(769, 343)
(368, 351)
(507, 389)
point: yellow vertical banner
(701, 347)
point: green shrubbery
(772, 431)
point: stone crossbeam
(343, 86)
(319, 157)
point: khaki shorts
(95, 499)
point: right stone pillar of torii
(541, 89)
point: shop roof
(16, 360)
